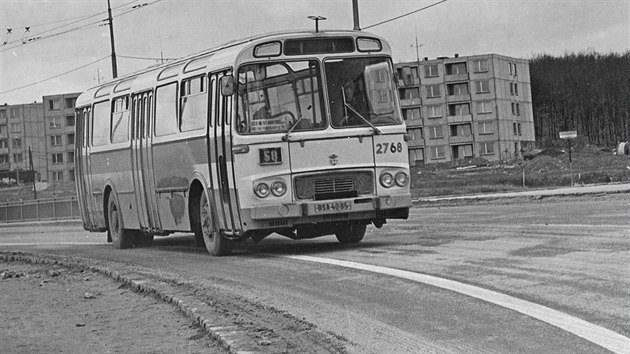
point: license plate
(332, 207)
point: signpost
(569, 135)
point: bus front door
(142, 163)
(220, 146)
(82, 171)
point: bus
(298, 134)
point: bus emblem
(333, 159)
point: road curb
(230, 336)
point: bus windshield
(280, 97)
(361, 92)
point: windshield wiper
(286, 136)
(347, 105)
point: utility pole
(111, 37)
(355, 15)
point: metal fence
(40, 210)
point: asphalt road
(555, 261)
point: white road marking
(51, 243)
(601, 336)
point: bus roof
(223, 56)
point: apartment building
(466, 107)
(21, 145)
(59, 120)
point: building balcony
(410, 101)
(414, 123)
(456, 77)
(459, 119)
(460, 139)
(413, 81)
(415, 143)
(458, 98)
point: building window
(54, 105)
(431, 70)
(416, 154)
(410, 93)
(435, 132)
(456, 69)
(457, 89)
(461, 130)
(486, 128)
(434, 111)
(4, 144)
(487, 148)
(54, 123)
(16, 127)
(433, 91)
(14, 112)
(437, 152)
(416, 134)
(483, 86)
(70, 102)
(57, 158)
(69, 121)
(57, 176)
(512, 67)
(516, 109)
(17, 143)
(411, 114)
(518, 125)
(55, 140)
(481, 65)
(71, 157)
(3, 129)
(17, 158)
(513, 88)
(462, 151)
(70, 139)
(3, 114)
(484, 107)
(71, 175)
(514, 129)
(461, 109)
(4, 159)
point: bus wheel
(351, 233)
(120, 237)
(215, 243)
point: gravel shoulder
(53, 309)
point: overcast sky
(174, 28)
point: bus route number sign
(270, 156)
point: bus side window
(120, 120)
(166, 110)
(193, 104)
(101, 121)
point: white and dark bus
(298, 134)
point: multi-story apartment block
(21, 133)
(59, 138)
(466, 107)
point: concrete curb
(229, 336)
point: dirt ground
(79, 311)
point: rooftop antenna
(317, 19)
(417, 46)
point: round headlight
(402, 179)
(387, 180)
(261, 190)
(278, 188)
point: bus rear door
(83, 173)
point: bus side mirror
(407, 78)
(227, 85)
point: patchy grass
(548, 169)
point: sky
(67, 48)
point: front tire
(121, 238)
(351, 233)
(216, 244)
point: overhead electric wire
(54, 77)
(404, 15)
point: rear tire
(216, 244)
(121, 238)
(351, 233)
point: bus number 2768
(384, 148)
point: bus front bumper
(338, 210)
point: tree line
(587, 92)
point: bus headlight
(262, 190)
(386, 179)
(401, 179)
(278, 188)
